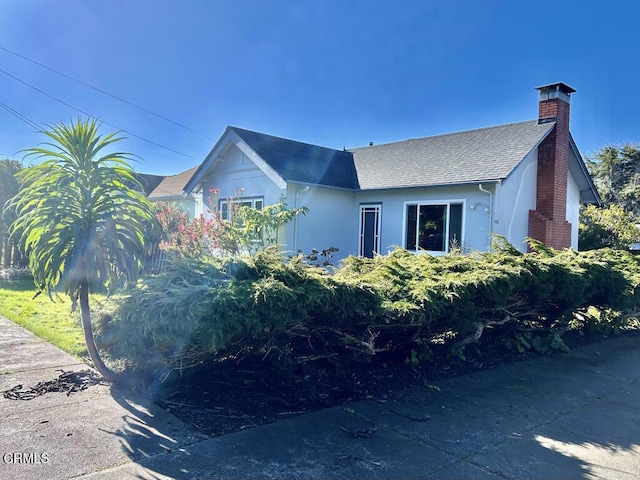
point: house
(170, 189)
(429, 194)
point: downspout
(490, 213)
(295, 219)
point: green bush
(239, 306)
(399, 304)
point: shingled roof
(474, 156)
(302, 162)
(169, 186)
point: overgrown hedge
(292, 313)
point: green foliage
(611, 226)
(9, 187)
(616, 171)
(240, 304)
(260, 228)
(82, 219)
(414, 307)
(243, 230)
(78, 218)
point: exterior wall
(334, 215)
(476, 222)
(573, 209)
(332, 220)
(515, 196)
(234, 174)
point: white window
(433, 227)
(227, 212)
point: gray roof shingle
(172, 185)
(302, 162)
(473, 156)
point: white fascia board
(257, 159)
(229, 136)
(582, 168)
(207, 162)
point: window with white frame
(433, 227)
(227, 212)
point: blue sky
(333, 73)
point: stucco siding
(234, 174)
(475, 222)
(515, 196)
(573, 209)
(332, 220)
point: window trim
(447, 203)
(253, 201)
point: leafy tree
(616, 172)
(81, 220)
(243, 230)
(260, 228)
(611, 226)
(8, 188)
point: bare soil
(235, 396)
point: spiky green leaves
(80, 217)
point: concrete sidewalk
(564, 416)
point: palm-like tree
(81, 219)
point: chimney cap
(563, 87)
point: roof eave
(585, 172)
(321, 185)
(206, 163)
(230, 135)
(435, 185)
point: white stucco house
(518, 180)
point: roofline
(230, 135)
(195, 178)
(321, 185)
(439, 185)
(440, 135)
(583, 167)
(552, 126)
(176, 197)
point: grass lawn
(52, 321)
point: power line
(106, 93)
(20, 116)
(89, 115)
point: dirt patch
(232, 397)
(235, 396)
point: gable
(302, 162)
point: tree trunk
(85, 316)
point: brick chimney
(548, 222)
